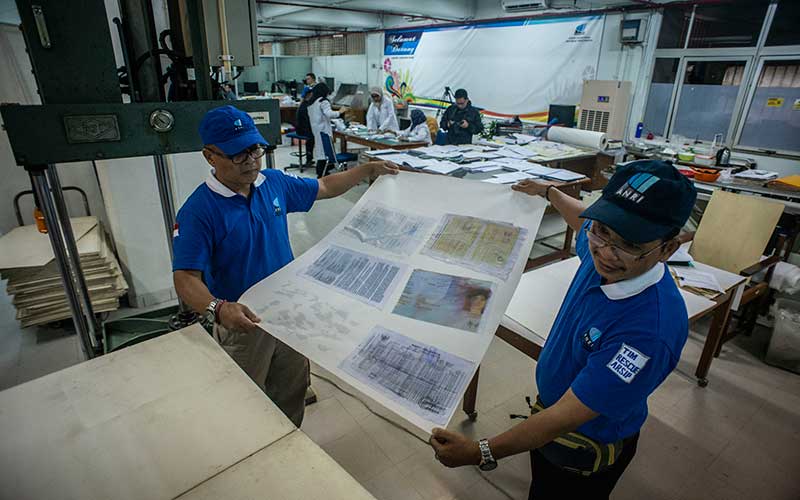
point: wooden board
(151, 421)
(26, 247)
(319, 476)
(735, 230)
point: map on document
(487, 246)
(364, 277)
(445, 300)
(419, 377)
(388, 229)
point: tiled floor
(737, 438)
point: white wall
(344, 69)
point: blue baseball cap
(644, 200)
(230, 129)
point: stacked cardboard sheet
(27, 262)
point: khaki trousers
(280, 371)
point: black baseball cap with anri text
(644, 200)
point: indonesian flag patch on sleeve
(627, 363)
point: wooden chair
(733, 235)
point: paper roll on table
(578, 137)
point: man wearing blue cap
(617, 336)
(232, 232)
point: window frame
(755, 58)
(675, 103)
(751, 92)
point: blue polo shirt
(237, 241)
(613, 345)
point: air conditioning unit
(604, 107)
(524, 5)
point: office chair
(339, 161)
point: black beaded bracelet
(547, 192)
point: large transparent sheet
(327, 325)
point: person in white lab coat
(418, 131)
(320, 115)
(381, 115)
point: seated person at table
(619, 333)
(381, 115)
(418, 131)
(461, 120)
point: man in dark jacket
(461, 120)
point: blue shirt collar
(628, 288)
(221, 189)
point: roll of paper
(578, 137)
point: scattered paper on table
(452, 301)
(418, 376)
(523, 139)
(399, 158)
(691, 277)
(364, 277)
(491, 247)
(564, 176)
(389, 229)
(442, 167)
(537, 169)
(511, 177)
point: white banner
(403, 297)
(509, 68)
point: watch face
(487, 466)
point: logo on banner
(580, 34)
(401, 43)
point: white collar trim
(628, 288)
(221, 189)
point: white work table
(173, 417)
(533, 309)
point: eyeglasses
(620, 253)
(255, 153)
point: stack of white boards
(28, 263)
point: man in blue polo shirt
(617, 336)
(232, 232)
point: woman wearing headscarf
(418, 131)
(381, 115)
(320, 115)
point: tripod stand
(447, 96)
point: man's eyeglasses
(255, 153)
(620, 253)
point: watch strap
(486, 453)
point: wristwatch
(487, 460)
(210, 314)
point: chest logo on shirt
(590, 339)
(627, 363)
(276, 205)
